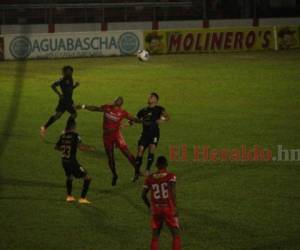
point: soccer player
(151, 116)
(66, 85)
(163, 203)
(68, 143)
(113, 115)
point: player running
(68, 143)
(66, 85)
(112, 136)
(163, 203)
(151, 116)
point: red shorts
(164, 214)
(113, 139)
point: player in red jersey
(163, 203)
(113, 115)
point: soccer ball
(143, 55)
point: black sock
(71, 118)
(138, 163)
(150, 160)
(69, 186)
(51, 120)
(85, 188)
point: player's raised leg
(52, 119)
(112, 165)
(138, 162)
(122, 145)
(150, 158)
(125, 151)
(72, 111)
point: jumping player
(151, 116)
(65, 94)
(68, 143)
(163, 203)
(112, 136)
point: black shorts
(63, 106)
(146, 140)
(74, 169)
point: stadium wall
(86, 27)
(209, 40)
(72, 44)
(163, 41)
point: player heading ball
(151, 116)
(113, 115)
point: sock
(131, 159)
(150, 160)
(51, 120)
(154, 244)
(138, 163)
(71, 118)
(69, 186)
(85, 188)
(112, 167)
(176, 243)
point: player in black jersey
(65, 94)
(68, 143)
(151, 117)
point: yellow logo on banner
(288, 37)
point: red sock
(154, 244)
(132, 160)
(176, 243)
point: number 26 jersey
(159, 184)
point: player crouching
(68, 143)
(163, 203)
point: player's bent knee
(57, 115)
(88, 178)
(140, 150)
(152, 148)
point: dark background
(75, 11)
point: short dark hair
(70, 124)
(161, 162)
(68, 67)
(155, 94)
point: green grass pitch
(222, 100)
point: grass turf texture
(222, 100)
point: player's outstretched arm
(145, 197)
(89, 108)
(54, 88)
(133, 119)
(84, 147)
